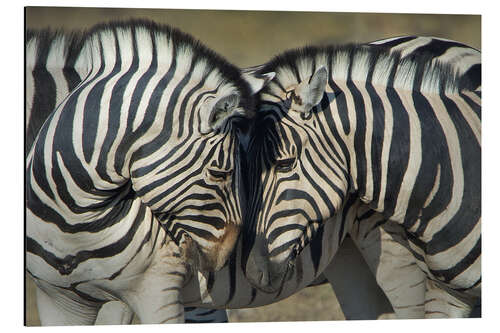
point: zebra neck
(374, 126)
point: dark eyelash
(285, 165)
(219, 174)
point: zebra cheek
(216, 257)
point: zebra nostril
(266, 279)
(295, 252)
(293, 255)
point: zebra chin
(269, 280)
(268, 275)
(213, 258)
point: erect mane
(197, 51)
(357, 62)
(65, 48)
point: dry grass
(313, 303)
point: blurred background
(248, 38)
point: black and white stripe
(146, 137)
(399, 132)
(465, 60)
(47, 84)
(55, 65)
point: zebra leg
(443, 303)
(386, 252)
(354, 285)
(202, 315)
(61, 307)
(155, 294)
(115, 313)
(119, 313)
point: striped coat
(109, 191)
(402, 134)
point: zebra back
(465, 60)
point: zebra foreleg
(442, 303)
(195, 315)
(155, 295)
(386, 252)
(61, 307)
(115, 313)
(354, 285)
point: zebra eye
(219, 174)
(285, 165)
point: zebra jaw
(203, 258)
(209, 259)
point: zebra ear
(257, 81)
(217, 111)
(310, 92)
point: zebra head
(157, 117)
(200, 205)
(182, 105)
(198, 197)
(298, 179)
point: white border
(12, 163)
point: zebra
(400, 134)
(389, 240)
(52, 64)
(230, 277)
(52, 71)
(150, 192)
(395, 266)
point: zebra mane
(51, 49)
(364, 63)
(149, 32)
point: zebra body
(386, 248)
(116, 210)
(400, 133)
